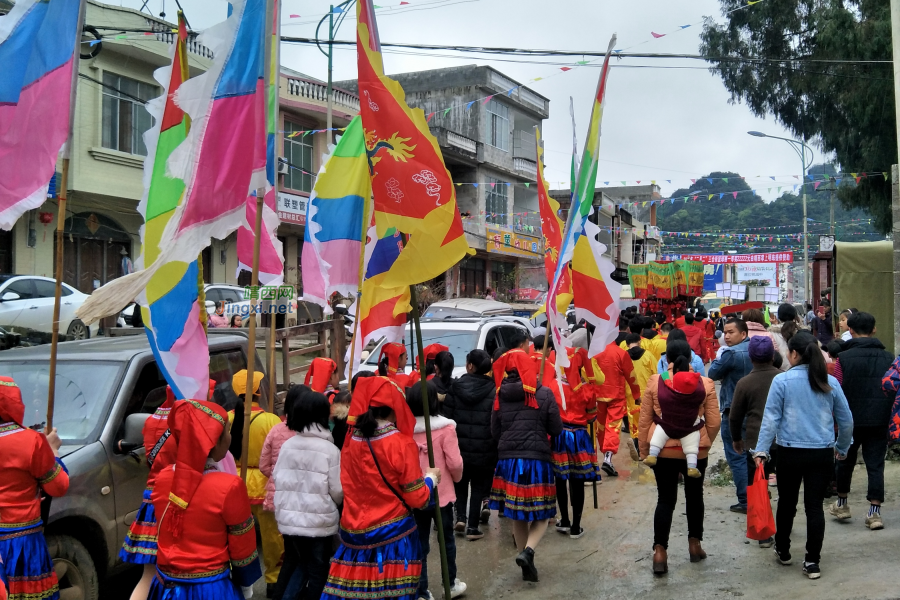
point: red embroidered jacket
(218, 530)
(154, 428)
(26, 464)
(368, 503)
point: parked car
(466, 307)
(105, 390)
(460, 335)
(26, 302)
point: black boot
(525, 560)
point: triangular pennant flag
(657, 35)
(816, 185)
(605, 183)
(488, 99)
(446, 110)
(693, 181)
(428, 118)
(469, 105)
(685, 26)
(510, 91)
(527, 184)
(735, 195)
(721, 194)
(709, 179)
(853, 174)
(885, 175)
(837, 181)
(710, 197)
(772, 177)
(565, 69)
(725, 179)
(639, 182)
(668, 180)
(857, 179)
(623, 183)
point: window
(503, 276)
(498, 125)
(298, 152)
(125, 118)
(23, 287)
(495, 201)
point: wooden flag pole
(362, 266)
(251, 343)
(445, 570)
(593, 426)
(61, 221)
(270, 350)
(544, 352)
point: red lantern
(46, 217)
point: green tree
(775, 56)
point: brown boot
(696, 550)
(660, 560)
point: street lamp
(800, 148)
(341, 10)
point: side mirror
(210, 306)
(364, 355)
(134, 429)
(9, 296)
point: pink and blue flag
(37, 51)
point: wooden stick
(593, 439)
(362, 274)
(445, 570)
(270, 349)
(54, 339)
(251, 343)
(544, 352)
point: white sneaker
(428, 597)
(458, 588)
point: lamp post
(341, 11)
(800, 148)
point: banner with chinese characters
(637, 277)
(292, 208)
(731, 259)
(661, 280)
(501, 241)
(688, 277)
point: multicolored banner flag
(580, 208)
(413, 192)
(552, 231)
(271, 253)
(222, 159)
(37, 54)
(337, 209)
(596, 292)
(171, 306)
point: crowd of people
(345, 489)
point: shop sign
(291, 208)
(503, 241)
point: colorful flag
(221, 160)
(271, 255)
(413, 192)
(596, 292)
(552, 231)
(581, 206)
(37, 54)
(335, 214)
(171, 304)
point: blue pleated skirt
(140, 544)
(383, 564)
(27, 568)
(573, 454)
(524, 489)
(215, 587)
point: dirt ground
(613, 559)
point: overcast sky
(659, 123)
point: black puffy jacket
(469, 403)
(864, 362)
(521, 431)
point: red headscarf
(170, 395)
(197, 427)
(431, 351)
(393, 351)
(12, 409)
(519, 361)
(320, 372)
(683, 382)
(381, 391)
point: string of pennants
(813, 222)
(753, 236)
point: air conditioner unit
(283, 168)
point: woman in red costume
(431, 351)
(323, 377)
(574, 454)
(391, 363)
(29, 464)
(379, 556)
(207, 541)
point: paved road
(613, 559)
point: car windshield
(459, 342)
(83, 395)
(447, 312)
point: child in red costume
(392, 362)
(30, 464)
(616, 366)
(379, 556)
(207, 542)
(323, 377)
(431, 351)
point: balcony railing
(318, 92)
(524, 145)
(525, 166)
(164, 34)
(462, 142)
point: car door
(490, 339)
(11, 310)
(44, 298)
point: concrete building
(106, 169)
(484, 122)
(629, 240)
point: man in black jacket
(470, 404)
(859, 369)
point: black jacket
(469, 403)
(521, 431)
(864, 362)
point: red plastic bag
(760, 522)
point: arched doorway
(93, 250)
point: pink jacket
(446, 454)
(755, 329)
(276, 438)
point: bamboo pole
(270, 350)
(445, 570)
(54, 339)
(251, 343)
(593, 426)
(362, 274)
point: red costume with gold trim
(27, 467)
(431, 351)
(573, 452)
(207, 539)
(394, 351)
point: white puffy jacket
(308, 484)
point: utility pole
(330, 108)
(895, 200)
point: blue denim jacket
(696, 364)
(734, 364)
(798, 417)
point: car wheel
(74, 568)
(78, 330)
